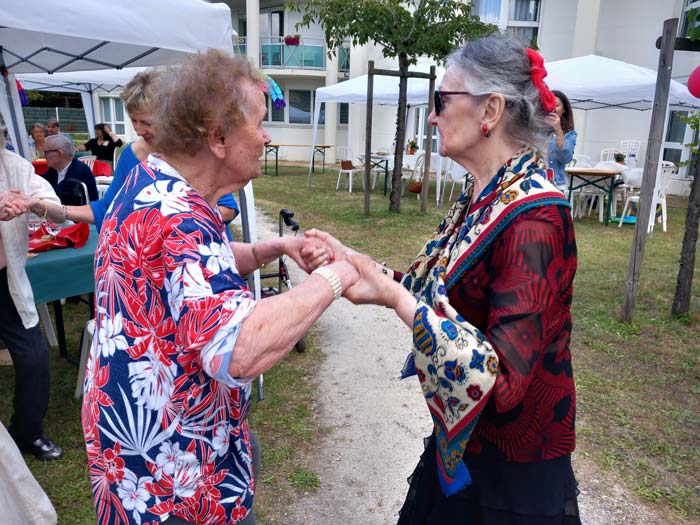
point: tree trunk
(395, 198)
(684, 283)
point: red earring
(485, 131)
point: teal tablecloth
(63, 273)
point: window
(273, 114)
(519, 17)
(685, 26)
(299, 106)
(113, 113)
(343, 108)
(677, 134)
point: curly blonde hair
(139, 93)
(206, 92)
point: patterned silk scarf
(455, 363)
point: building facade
(620, 29)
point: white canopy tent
(84, 82)
(45, 36)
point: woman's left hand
(553, 120)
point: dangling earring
(485, 131)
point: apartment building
(621, 29)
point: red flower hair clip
(538, 72)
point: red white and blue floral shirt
(164, 423)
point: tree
(405, 30)
(684, 282)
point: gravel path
(373, 425)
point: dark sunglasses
(50, 150)
(439, 102)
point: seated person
(53, 127)
(104, 143)
(65, 169)
(37, 140)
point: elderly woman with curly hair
(180, 335)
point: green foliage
(694, 24)
(692, 120)
(412, 28)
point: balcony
(309, 53)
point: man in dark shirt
(65, 172)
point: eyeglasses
(50, 150)
(439, 102)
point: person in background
(19, 328)
(563, 141)
(64, 170)
(140, 102)
(176, 363)
(488, 300)
(104, 144)
(37, 136)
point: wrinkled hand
(12, 204)
(374, 286)
(308, 253)
(337, 249)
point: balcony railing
(309, 53)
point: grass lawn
(638, 384)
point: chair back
(630, 147)
(608, 154)
(89, 160)
(418, 168)
(666, 172)
(582, 161)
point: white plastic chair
(416, 173)
(457, 174)
(667, 169)
(582, 161)
(89, 160)
(102, 189)
(347, 166)
(630, 147)
(607, 154)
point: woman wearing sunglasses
(488, 301)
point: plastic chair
(89, 160)
(607, 154)
(347, 167)
(582, 161)
(416, 173)
(457, 174)
(102, 189)
(630, 147)
(667, 169)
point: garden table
(63, 272)
(603, 179)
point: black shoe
(44, 449)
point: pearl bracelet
(332, 278)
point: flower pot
(291, 41)
(411, 151)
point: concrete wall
(557, 21)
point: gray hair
(53, 120)
(60, 142)
(498, 64)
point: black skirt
(501, 493)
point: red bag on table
(71, 236)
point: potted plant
(619, 157)
(411, 146)
(292, 40)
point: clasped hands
(364, 280)
(13, 203)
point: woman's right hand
(374, 286)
